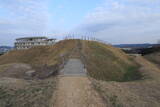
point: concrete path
(75, 89)
(74, 67)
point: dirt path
(76, 90)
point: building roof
(40, 37)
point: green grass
(108, 63)
(131, 74)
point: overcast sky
(115, 21)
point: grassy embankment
(105, 62)
(154, 57)
(38, 56)
(43, 58)
(15, 90)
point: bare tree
(158, 41)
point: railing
(88, 38)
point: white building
(28, 42)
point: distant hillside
(4, 49)
(8, 47)
(135, 45)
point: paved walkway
(75, 89)
(74, 67)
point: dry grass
(15, 90)
(23, 93)
(37, 56)
(4, 67)
(45, 60)
(142, 93)
(102, 61)
(154, 57)
(105, 62)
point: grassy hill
(105, 62)
(15, 88)
(42, 59)
(38, 56)
(102, 61)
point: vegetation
(36, 90)
(154, 57)
(141, 93)
(22, 93)
(38, 56)
(105, 62)
(45, 60)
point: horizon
(115, 21)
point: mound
(105, 62)
(102, 61)
(38, 56)
(44, 59)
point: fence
(88, 38)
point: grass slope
(22, 93)
(102, 61)
(15, 90)
(105, 62)
(38, 56)
(154, 57)
(45, 60)
(144, 93)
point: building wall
(28, 43)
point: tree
(158, 41)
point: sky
(115, 21)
